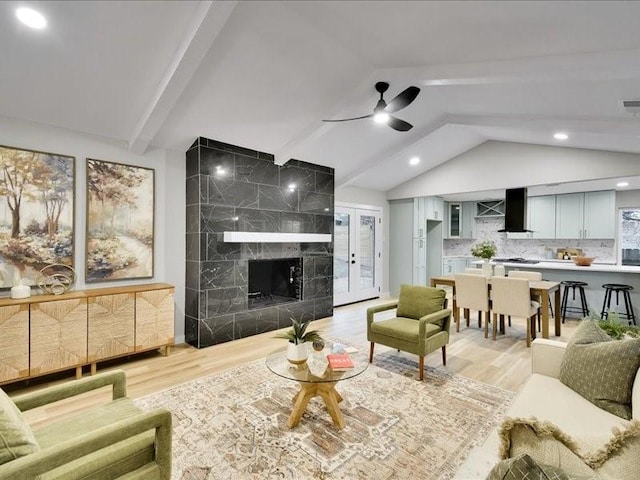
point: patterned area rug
(233, 425)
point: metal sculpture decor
(57, 279)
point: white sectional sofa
(543, 396)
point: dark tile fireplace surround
(231, 188)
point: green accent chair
(421, 325)
(115, 440)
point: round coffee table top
(314, 370)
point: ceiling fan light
(381, 117)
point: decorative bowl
(583, 261)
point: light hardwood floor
(504, 362)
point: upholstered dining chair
(532, 277)
(472, 293)
(421, 324)
(511, 296)
(473, 271)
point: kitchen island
(595, 275)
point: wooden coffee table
(313, 383)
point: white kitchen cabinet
(453, 265)
(586, 215)
(454, 220)
(460, 221)
(600, 214)
(468, 220)
(419, 261)
(415, 245)
(542, 216)
(434, 208)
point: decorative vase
(486, 268)
(297, 353)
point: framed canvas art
(36, 213)
(120, 221)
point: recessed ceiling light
(291, 187)
(414, 160)
(622, 184)
(220, 171)
(31, 18)
(560, 136)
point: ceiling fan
(383, 109)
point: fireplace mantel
(276, 237)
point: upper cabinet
(586, 215)
(542, 216)
(434, 208)
(460, 221)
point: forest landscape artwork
(120, 208)
(36, 213)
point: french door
(357, 256)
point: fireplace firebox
(272, 282)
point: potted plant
(485, 250)
(298, 336)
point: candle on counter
(21, 291)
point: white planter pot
(297, 354)
(486, 269)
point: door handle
(353, 261)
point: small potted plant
(298, 336)
(485, 250)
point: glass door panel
(357, 255)
(341, 254)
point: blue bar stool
(573, 286)
(626, 296)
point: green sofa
(115, 440)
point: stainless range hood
(515, 215)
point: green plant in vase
(486, 250)
(298, 336)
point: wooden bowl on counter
(583, 261)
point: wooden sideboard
(49, 333)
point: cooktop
(515, 260)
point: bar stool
(618, 287)
(573, 285)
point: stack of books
(339, 362)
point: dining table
(539, 288)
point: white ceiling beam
(207, 24)
(616, 65)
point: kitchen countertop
(569, 265)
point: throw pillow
(524, 467)
(600, 369)
(618, 459)
(416, 301)
(16, 438)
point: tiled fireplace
(234, 189)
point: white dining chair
(532, 277)
(472, 293)
(511, 296)
(473, 271)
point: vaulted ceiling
(264, 74)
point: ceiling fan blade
(402, 100)
(399, 125)
(349, 119)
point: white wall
(365, 196)
(169, 249)
(628, 199)
(499, 165)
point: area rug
(233, 425)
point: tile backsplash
(487, 229)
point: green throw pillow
(600, 369)
(16, 438)
(523, 467)
(416, 301)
